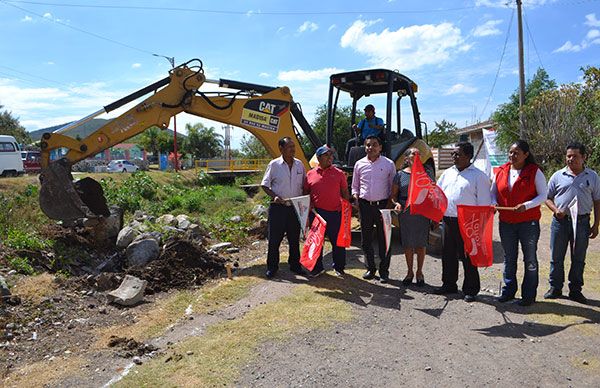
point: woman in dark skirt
(414, 229)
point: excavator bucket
(65, 200)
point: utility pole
(227, 142)
(172, 62)
(521, 72)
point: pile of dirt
(128, 347)
(182, 264)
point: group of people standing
(518, 190)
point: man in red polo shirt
(327, 185)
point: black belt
(374, 203)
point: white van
(11, 163)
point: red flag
(345, 235)
(314, 242)
(476, 225)
(424, 196)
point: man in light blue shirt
(371, 125)
(573, 181)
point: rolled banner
(302, 207)
(573, 212)
(386, 216)
(344, 238)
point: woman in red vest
(520, 186)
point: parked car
(121, 165)
(10, 157)
(31, 161)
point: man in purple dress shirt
(371, 186)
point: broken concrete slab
(220, 246)
(129, 293)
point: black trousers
(334, 220)
(283, 222)
(370, 220)
(454, 250)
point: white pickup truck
(11, 163)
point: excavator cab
(393, 95)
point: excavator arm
(264, 111)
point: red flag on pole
(314, 242)
(344, 238)
(476, 225)
(424, 196)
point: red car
(31, 161)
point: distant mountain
(82, 131)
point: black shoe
(420, 282)
(407, 281)
(577, 296)
(317, 273)
(384, 279)
(470, 298)
(270, 274)
(339, 273)
(553, 293)
(369, 275)
(443, 290)
(505, 298)
(526, 302)
(298, 271)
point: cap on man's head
(369, 107)
(323, 150)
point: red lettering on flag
(314, 243)
(345, 235)
(424, 196)
(476, 225)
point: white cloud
(307, 75)
(460, 89)
(407, 48)
(264, 75)
(568, 47)
(48, 15)
(307, 26)
(136, 65)
(592, 34)
(331, 27)
(279, 30)
(590, 20)
(508, 4)
(488, 28)
(27, 19)
(50, 63)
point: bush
(21, 265)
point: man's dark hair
(524, 146)
(575, 145)
(466, 148)
(373, 137)
(283, 141)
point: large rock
(220, 246)
(236, 219)
(4, 291)
(184, 224)
(141, 252)
(167, 219)
(129, 293)
(126, 237)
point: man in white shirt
(371, 186)
(463, 184)
(284, 179)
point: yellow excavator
(264, 111)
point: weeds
(21, 265)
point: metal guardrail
(230, 164)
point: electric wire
(512, 15)
(533, 41)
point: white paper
(302, 206)
(573, 212)
(386, 215)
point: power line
(77, 28)
(533, 41)
(216, 11)
(512, 15)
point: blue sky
(60, 60)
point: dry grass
(44, 373)
(220, 353)
(168, 311)
(35, 288)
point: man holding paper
(573, 181)
(283, 179)
(327, 186)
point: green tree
(151, 139)
(204, 142)
(9, 125)
(506, 116)
(342, 126)
(443, 133)
(252, 148)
